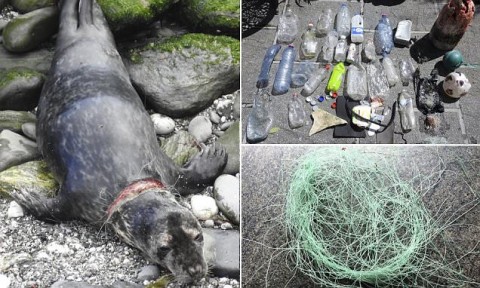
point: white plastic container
(356, 34)
(403, 34)
(352, 51)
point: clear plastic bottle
(309, 47)
(326, 56)
(325, 22)
(314, 81)
(405, 109)
(283, 78)
(356, 82)
(336, 78)
(406, 71)
(390, 70)
(262, 80)
(287, 27)
(342, 24)
(341, 49)
(352, 52)
(296, 112)
(383, 37)
(301, 72)
(259, 120)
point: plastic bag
(296, 112)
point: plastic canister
(356, 34)
(403, 34)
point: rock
(9, 260)
(66, 284)
(203, 207)
(14, 210)
(226, 226)
(236, 106)
(214, 117)
(227, 196)
(39, 60)
(123, 284)
(224, 107)
(201, 128)
(184, 75)
(25, 6)
(3, 3)
(231, 141)
(27, 31)
(209, 223)
(56, 248)
(30, 130)
(213, 16)
(149, 272)
(4, 281)
(13, 120)
(180, 147)
(127, 14)
(222, 252)
(16, 149)
(20, 89)
(225, 125)
(32, 175)
(163, 124)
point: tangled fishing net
(353, 220)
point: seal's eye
(199, 238)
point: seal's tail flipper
(68, 17)
(86, 12)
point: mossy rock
(213, 15)
(20, 89)
(125, 14)
(25, 6)
(33, 175)
(181, 147)
(28, 31)
(13, 120)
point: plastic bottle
(406, 71)
(392, 74)
(296, 113)
(356, 33)
(451, 24)
(352, 51)
(281, 84)
(356, 84)
(336, 78)
(326, 56)
(287, 27)
(377, 80)
(368, 53)
(342, 24)
(259, 120)
(325, 22)
(341, 49)
(383, 37)
(301, 72)
(262, 80)
(309, 47)
(405, 109)
(314, 81)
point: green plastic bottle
(336, 78)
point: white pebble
(203, 207)
(223, 119)
(14, 210)
(58, 249)
(163, 124)
(4, 281)
(226, 226)
(201, 128)
(209, 223)
(214, 117)
(227, 193)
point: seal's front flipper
(202, 169)
(41, 207)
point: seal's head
(149, 218)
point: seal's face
(165, 231)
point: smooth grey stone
(30, 130)
(25, 6)
(20, 89)
(39, 60)
(180, 147)
(187, 79)
(236, 107)
(231, 141)
(201, 128)
(214, 117)
(222, 252)
(13, 120)
(16, 149)
(67, 284)
(149, 272)
(27, 31)
(227, 195)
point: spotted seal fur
(100, 144)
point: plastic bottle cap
(334, 95)
(321, 98)
(334, 105)
(328, 66)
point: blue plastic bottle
(262, 80)
(283, 77)
(383, 38)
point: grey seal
(100, 144)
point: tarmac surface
(265, 172)
(459, 122)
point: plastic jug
(287, 27)
(326, 56)
(356, 82)
(309, 47)
(325, 22)
(356, 33)
(342, 24)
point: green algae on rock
(13, 120)
(25, 6)
(27, 31)
(180, 147)
(122, 14)
(33, 175)
(20, 89)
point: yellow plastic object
(336, 78)
(364, 111)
